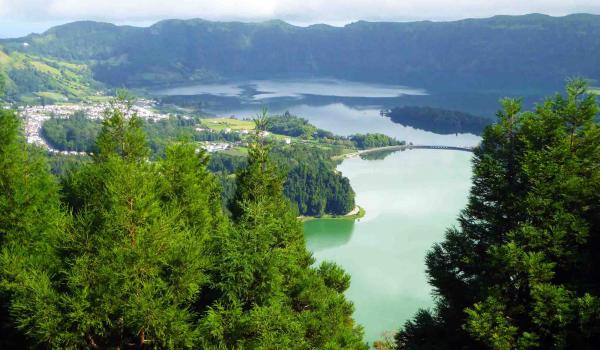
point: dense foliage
(226, 163)
(287, 124)
(437, 120)
(521, 270)
(312, 182)
(364, 141)
(77, 133)
(472, 53)
(131, 253)
(290, 125)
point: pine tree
(132, 261)
(519, 271)
(30, 222)
(271, 296)
(551, 296)
(140, 254)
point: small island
(437, 120)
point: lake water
(269, 89)
(410, 197)
(343, 119)
(342, 107)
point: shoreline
(356, 213)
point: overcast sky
(20, 17)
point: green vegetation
(289, 125)
(481, 57)
(40, 79)
(521, 270)
(77, 133)
(312, 183)
(365, 141)
(220, 124)
(439, 121)
(129, 253)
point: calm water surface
(343, 107)
(410, 199)
(343, 119)
(269, 89)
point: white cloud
(295, 11)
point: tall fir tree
(30, 224)
(140, 254)
(271, 296)
(518, 272)
(132, 262)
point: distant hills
(536, 52)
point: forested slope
(501, 52)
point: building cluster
(68, 153)
(35, 116)
(216, 146)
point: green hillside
(39, 79)
(495, 54)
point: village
(35, 116)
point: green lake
(410, 199)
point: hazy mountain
(534, 51)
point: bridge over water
(408, 147)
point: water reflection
(342, 119)
(343, 107)
(327, 233)
(410, 199)
(379, 155)
(270, 89)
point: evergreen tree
(140, 254)
(30, 221)
(271, 296)
(131, 263)
(518, 273)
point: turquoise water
(410, 199)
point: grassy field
(237, 151)
(98, 98)
(219, 124)
(33, 78)
(595, 90)
(51, 95)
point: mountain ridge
(500, 52)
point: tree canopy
(132, 253)
(520, 270)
